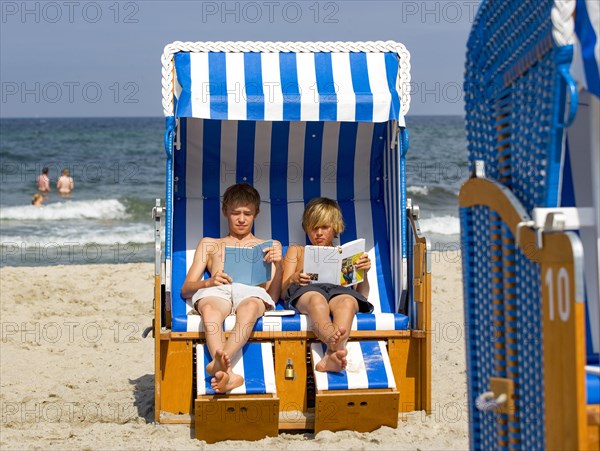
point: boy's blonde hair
(322, 211)
(241, 194)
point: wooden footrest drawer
(357, 410)
(238, 417)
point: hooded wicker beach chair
(297, 121)
(530, 225)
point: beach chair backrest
(249, 117)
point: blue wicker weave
(515, 100)
(512, 88)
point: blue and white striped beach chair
(297, 121)
(530, 225)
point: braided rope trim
(403, 83)
(563, 22)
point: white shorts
(234, 293)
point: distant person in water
(65, 183)
(43, 181)
(37, 200)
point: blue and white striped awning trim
(254, 363)
(368, 367)
(586, 58)
(287, 86)
(299, 323)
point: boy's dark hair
(241, 193)
(45, 171)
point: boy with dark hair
(217, 297)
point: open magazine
(246, 264)
(335, 264)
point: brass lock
(289, 370)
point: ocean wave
(81, 234)
(441, 225)
(421, 190)
(136, 234)
(81, 209)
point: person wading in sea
(65, 183)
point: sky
(102, 58)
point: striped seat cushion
(297, 323)
(254, 363)
(368, 367)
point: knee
(346, 303)
(317, 304)
(208, 311)
(250, 307)
(316, 301)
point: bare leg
(214, 311)
(317, 308)
(343, 308)
(246, 314)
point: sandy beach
(76, 374)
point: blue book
(246, 264)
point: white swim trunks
(234, 293)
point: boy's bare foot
(221, 362)
(335, 338)
(219, 382)
(225, 381)
(333, 362)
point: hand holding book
(218, 278)
(273, 253)
(341, 265)
(300, 278)
(251, 265)
(363, 262)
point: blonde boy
(322, 221)
(217, 297)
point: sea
(118, 167)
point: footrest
(254, 364)
(248, 412)
(361, 398)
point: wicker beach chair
(297, 121)
(530, 225)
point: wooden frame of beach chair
(357, 101)
(365, 401)
(530, 226)
(557, 256)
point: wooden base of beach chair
(361, 398)
(248, 412)
(237, 417)
(593, 421)
(356, 410)
(174, 371)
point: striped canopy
(288, 86)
